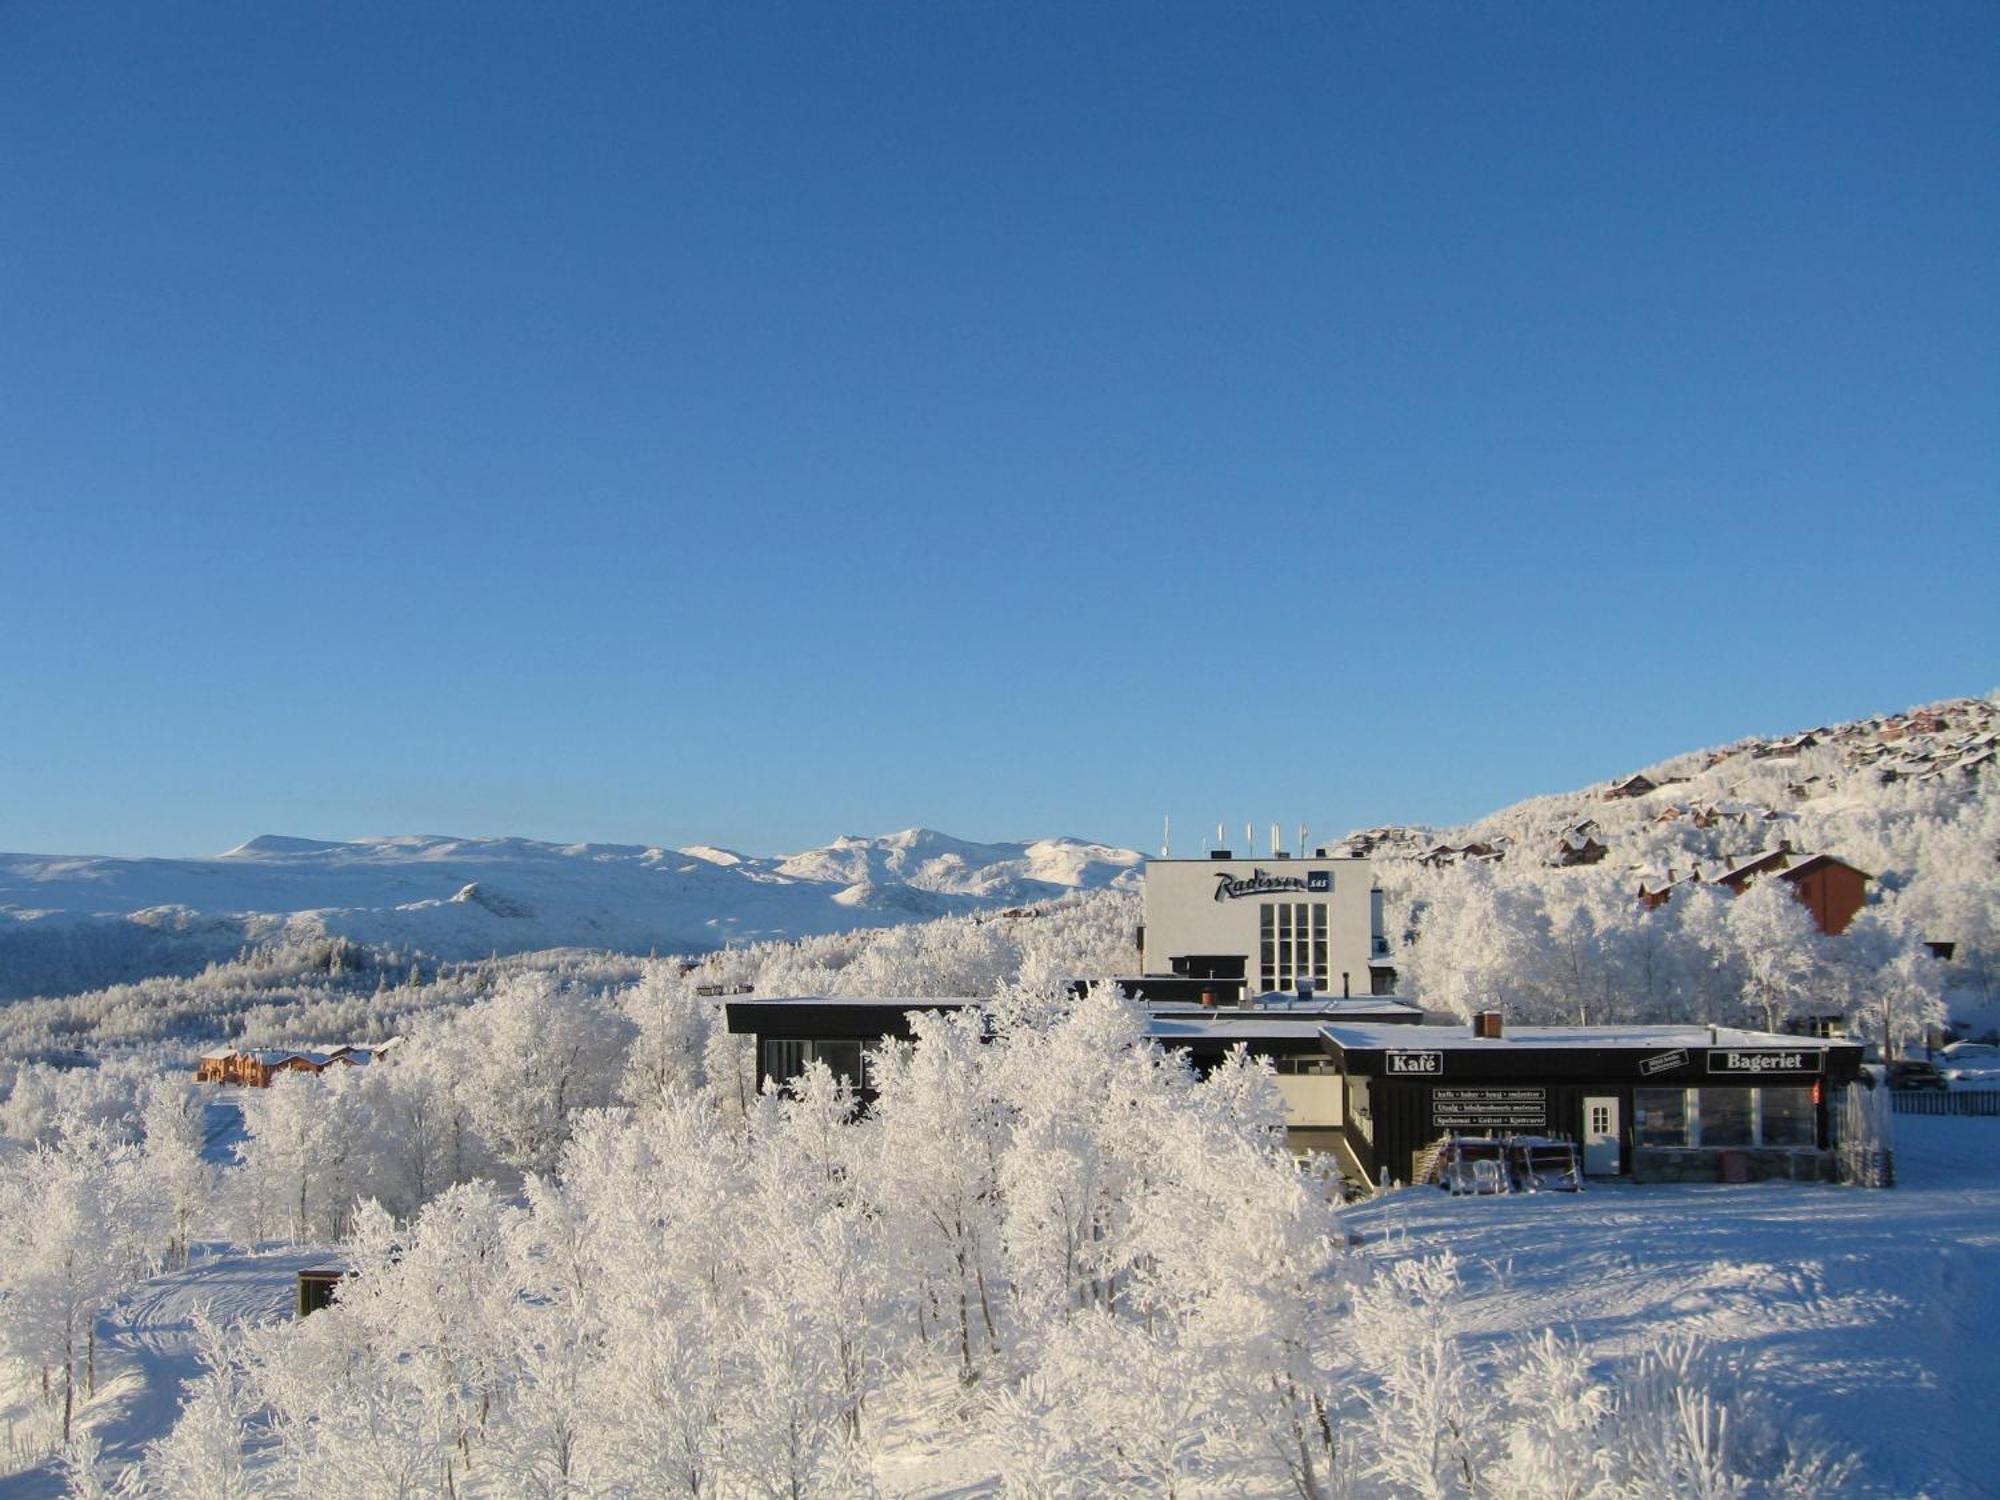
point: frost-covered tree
(1780, 950)
(175, 1120)
(938, 1132)
(78, 1223)
(674, 1028)
(540, 1055)
(298, 1173)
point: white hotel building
(1277, 923)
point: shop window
(1786, 1117)
(1659, 1117)
(1723, 1117)
(1727, 1117)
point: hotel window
(1292, 944)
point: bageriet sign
(1754, 1060)
(1263, 883)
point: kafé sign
(1413, 1064)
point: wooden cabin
(1578, 849)
(255, 1068)
(1830, 888)
(1636, 785)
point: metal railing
(1984, 1103)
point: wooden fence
(1983, 1102)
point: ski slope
(146, 1350)
(1876, 1314)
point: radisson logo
(1262, 883)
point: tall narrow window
(1293, 944)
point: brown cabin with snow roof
(1636, 785)
(256, 1068)
(1831, 889)
(1575, 848)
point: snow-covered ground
(1875, 1313)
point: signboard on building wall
(1414, 1064)
(1490, 1109)
(1261, 882)
(1749, 1062)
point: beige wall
(1311, 1098)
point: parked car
(1914, 1073)
(1970, 1062)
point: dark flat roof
(1362, 1036)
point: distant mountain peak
(268, 844)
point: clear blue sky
(755, 423)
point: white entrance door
(1600, 1135)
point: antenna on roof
(1302, 841)
(1250, 840)
(1277, 838)
(1166, 834)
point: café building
(1648, 1103)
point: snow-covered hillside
(69, 922)
(1857, 790)
(1610, 901)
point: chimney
(1487, 1024)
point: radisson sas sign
(1263, 883)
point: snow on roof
(1170, 1029)
(1754, 864)
(894, 1002)
(1363, 1036)
(1287, 1000)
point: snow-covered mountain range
(84, 920)
(1904, 796)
